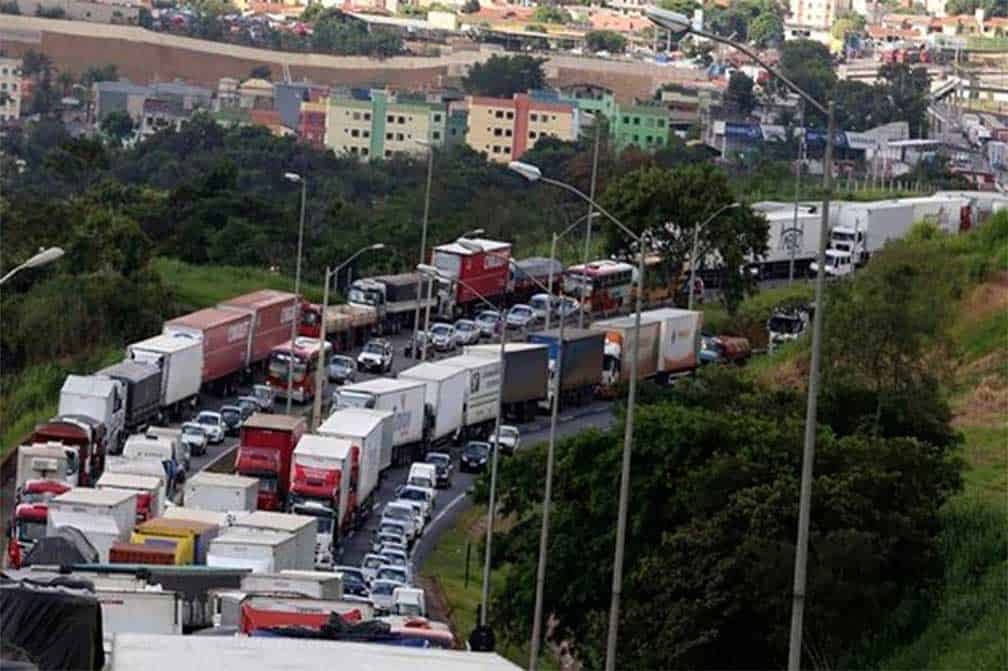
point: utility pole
(794, 240)
(588, 225)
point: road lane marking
(445, 510)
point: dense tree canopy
(606, 40)
(503, 76)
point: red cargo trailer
(485, 271)
(226, 336)
(266, 443)
(274, 312)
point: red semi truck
(273, 315)
(84, 433)
(265, 446)
(226, 340)
(485, 271)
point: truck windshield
(310, 317)
(279, 362)
(785, 324)
(408, 609)
(374, 348)
(351, 399)
(31, 530)
(448, 263)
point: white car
(543, 304)
(419, 513)
(382, 593)
(396, 558)
(489, 322)
(195, 438)
(520, 317)
(420, 495)
(403, 513)
(393, 545)
(369, 566)
(213, 424)
(399, 574)
(510, 439)
(443, 337)
(389, 531)
(376, 356)
(468, 332)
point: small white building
(10, 89)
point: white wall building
(817, 14)
(10, 89)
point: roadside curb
(563, 418)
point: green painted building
(644, 126)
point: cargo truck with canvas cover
(143, 392)
(272, 315)
(526, 374)
(266, 442)
(394, 298)
(346, 326)
(405, 399)
(180, 360)
(321, 479)
(370, 432)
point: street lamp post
(533, 174)
(680, 23)
(297, 179)
(590, 217)
(43, 257)
(693, 254)
(334, 273)
(437, 274)
(423, 243)
(430, 299)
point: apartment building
(379, 123)
(817, 15)
(504, 129)
(644, 126)
(10, 89)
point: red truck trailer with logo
(483, 272)
(273, 315)
(226, 336)
(266, 444)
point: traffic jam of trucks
(105, 488)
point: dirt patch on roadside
(987, 299)
(438, 608)
(986, 404)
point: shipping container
(580, 366)
(273, 317)
(197, 535)
(406, 399)
(258, 550)
(226, 336)
(143, 392)
(526, 376)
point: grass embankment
(197, 287)
(446, 566)
(32, 395)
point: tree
(990, 7)
(809, 65)
(118, 125)
(740, 92)
(470, 6)
(261, 72)
(766, 29)
(551, 14)
(847, 24)
(605, 40)
(667, 204)
(503, 76)
(710, 542)
(907, 89)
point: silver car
(443, 337)
(213, 424)
(520, 316)
(381, 594)
(468, 332)
(489, 322)
(195, 437)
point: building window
(356, 116)
(354, 133)
(402, 119)
(553, 118)
(388, 136)
(367, 116)
(366, 133)
(510, 115)
(496, 149)
(626, 120)
(507, 132)
(390, 119)
(437, 118)
(4, 71)
(661, 123)
(498, 132)
(532, 135)
(435, 135)
(649, 139)
(636, 138)
(388, 153)
(499, 114)
(453, 132)
(636, 121)
(533, 117)
(364, 151)
(353, 150)
(400, 137)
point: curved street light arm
(581, 194)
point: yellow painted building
(504, 129)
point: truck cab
(161, 448)
(100, 397)
(30, 510)
(266, 446)
(786, 326)
(85, 436)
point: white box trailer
(153, 468)
(406, 399)
(310, 584)
(139, 652)
(446, 395)
(483, 380)
(181, 364)
(221, 492)
(254, 549)
(105, 517)
(371, 431)
(222, 520)
(100, 398)
(679, 348)
(145, 486)
(139, 611)
(301, 527)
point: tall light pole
(533, 174)
(696, 242)
(680, 23)
(591, 197)
(797, 190)
(430, 298)
(297, 179)
(43, 257)
(333, 273)
(423, 242)
(590, 217)
(437, 274)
